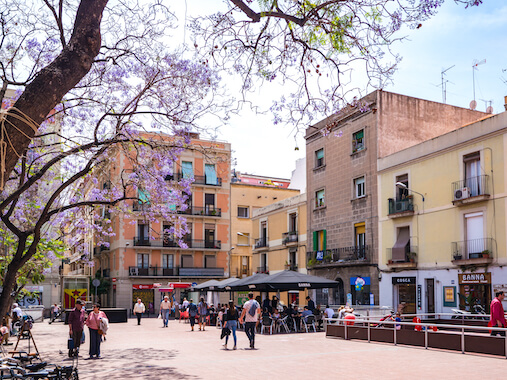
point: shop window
(358, 141)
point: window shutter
(315, 241)
(324, 240)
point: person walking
(93, 322)
(497, 313)
(192, 313)
(231, 322)
(250, 315)
(203, 313)
(76, 325)
(165, 309)
(139, 309)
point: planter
(458, 257)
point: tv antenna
(487, 105)
(444, 83)
(474, 67)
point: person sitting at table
(265, 312)
(306, 313)
(296, 316)
(266, 304)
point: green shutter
(359, 135)
(315, 241)
(324, 244)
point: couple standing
(250, 315)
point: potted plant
(485, 254)
(312, 262)
(287, 266)
(327, 258)
(411, 256)
(458, 256)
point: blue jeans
(233, 326)
(95, 339)
(250, 332)
(165, 316)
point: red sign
(179, 285)
(114, 279)
(114, 286)
(142, 286)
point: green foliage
(103, 288)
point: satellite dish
(473, 105)
(489, 109)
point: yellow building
(279, 232)
(245, 199)
(442, 220)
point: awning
(399, 249)
(175, 285)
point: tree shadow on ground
(129, 363)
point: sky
(454, 39)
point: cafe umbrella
(289, 280)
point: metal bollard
(462, 340)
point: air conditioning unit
(463, 193)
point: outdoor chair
(310, 321)
(267, 322)
(283, 323)
(183, 315)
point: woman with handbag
(93, 323)
(231, 322)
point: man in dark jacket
(76, 323)
(311, 304)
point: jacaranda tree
(90, 76)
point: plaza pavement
(152, 352)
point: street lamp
(403, 186)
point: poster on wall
(71, 295)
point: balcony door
(143, 260)
(143, 233)
(209, 236)
(264, 233)
(209, 203)
(474, 223)
(473, 173)
(293, 222)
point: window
(474, 230)
(319, 158)
(359, 187)
(187, 169)
(209, 236)
(210, 174)
(472, 164)
(319, 198)
(167, 261)
(143, 232)
(187, 261)
(243, 239)
(402, 245)
(402, 192)
(319, 240)
(293, 222)
(358, 141)
(209, 203)
(243, 212)
(143, 196)
(360, 237)
(210, 261)
(143, 260)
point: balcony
(408, 262)
(261, 243)
(473, 252)
(198, 179)
(400, 208)
(263, 269)
(201, 272)
(99, 249)
(291, 266)
(289, 238)
(345, 256)
(202, 211)
(170, 243)
(470, 190)
(152, 272)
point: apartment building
(341, 161)
(143, 260)
(246, 198)
(442, 210)
(279, 233)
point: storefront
(405, 296)
(360, 291)
(147, 296)
(474, 289)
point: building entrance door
(430, 295)
(407, 297)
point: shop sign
(150, 286)
(403, 280)
(474, 278)
(304, 285)
(419, 297)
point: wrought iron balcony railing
(410, 255)
(172, 243)
(290, 237)
(337, 256)
(404, 205)
(198, 179)
(261, 243)
(473, 249)
(470, 187)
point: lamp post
(403, 186)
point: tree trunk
(8, 286)
(55, 80)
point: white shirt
(248, 304)
(139, 308)
(329, 312)
(185, 304)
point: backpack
(192, 309)
(253, 308)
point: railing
(473, 249)
(198, 179)
(261, 242)
(263, 269)
(410, 255)
(136, 206)
(291, 266)
(170, 243)
(214, 272)
(204, 211)
(98, 250)
(152, 272)
(338, 256)
(289, 237)
(396, 206)
(470, 187)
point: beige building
(442, 214)
(279, 233)
(341, 161)
(245, 200)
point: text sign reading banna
(474, 278)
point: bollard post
(426, 338)
(505, 345)
(394, 335)
(345, 326)
(369, 333)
